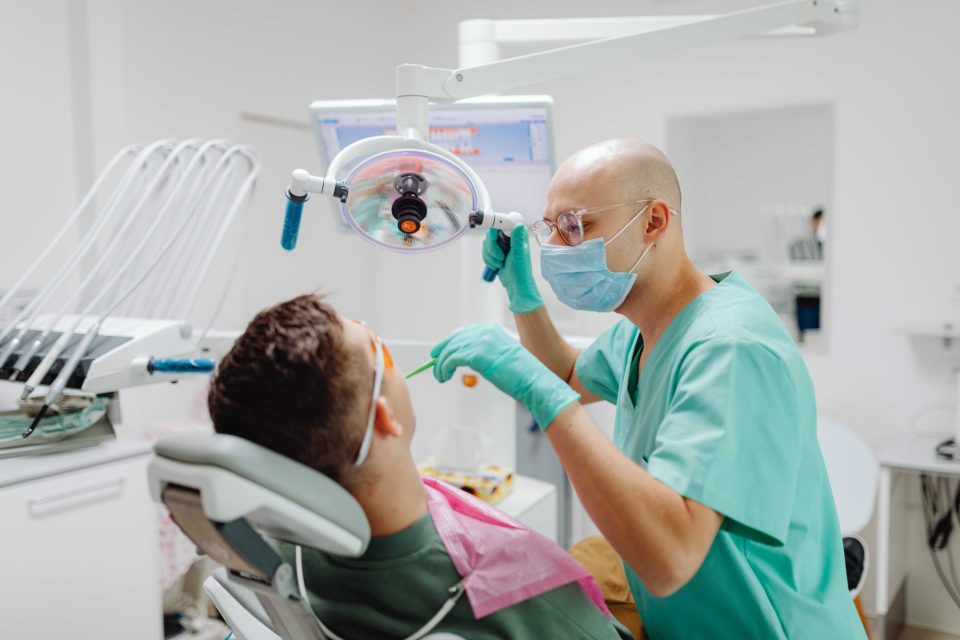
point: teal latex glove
(491, 352)
(515, 271)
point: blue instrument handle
(503, 241)
(291, 223)
(181, 365)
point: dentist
(713, 491)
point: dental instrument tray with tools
(78, 420)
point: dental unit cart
(81, 552)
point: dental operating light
(389, 202)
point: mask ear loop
(630, 222)
(624, 228)
(642, 256)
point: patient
(299, 381)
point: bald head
(618, 170)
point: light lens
(447, 192)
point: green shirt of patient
(724, 413)
(401, 581)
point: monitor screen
(507, 140)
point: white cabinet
(79, 547)
(534, 503)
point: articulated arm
(417, 84)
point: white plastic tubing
(165, 210)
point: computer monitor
(508, 140)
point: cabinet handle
(75, 498)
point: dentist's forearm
(661, 535)
(541, 338)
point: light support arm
(416, 83)
(484, 31)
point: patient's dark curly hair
(291, 383)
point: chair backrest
(229, 495)
(232, 479)
(853, 470)
(224, 492)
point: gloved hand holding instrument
(495, 355)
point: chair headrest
(237, 478)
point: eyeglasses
(569, 224)
(382, 360)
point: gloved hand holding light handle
(504, 223)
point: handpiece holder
(291, 221)
(503, 241)
(180, 365)
(301, 185)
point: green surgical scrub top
(724, 414)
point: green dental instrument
(421, 368)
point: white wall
(37, 161)
(192, 68)
(739, 164)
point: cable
(137, 168)
(247, 185)
(133, 255)
(191, 297)
(943, 578)
(58, 384)
(951, 513)
(188, 187)
(181, 260)
(953, 576)
(66, 226)
(938, 513)
(35, 306)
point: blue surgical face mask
(580, 277)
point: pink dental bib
(502, 562)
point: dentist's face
(584, 183)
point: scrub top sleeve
(601, 365)
(731, 439)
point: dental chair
(227, 495)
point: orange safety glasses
(374, 340)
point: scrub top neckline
(395, 547)
(635, 377)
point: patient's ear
(385, 421)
